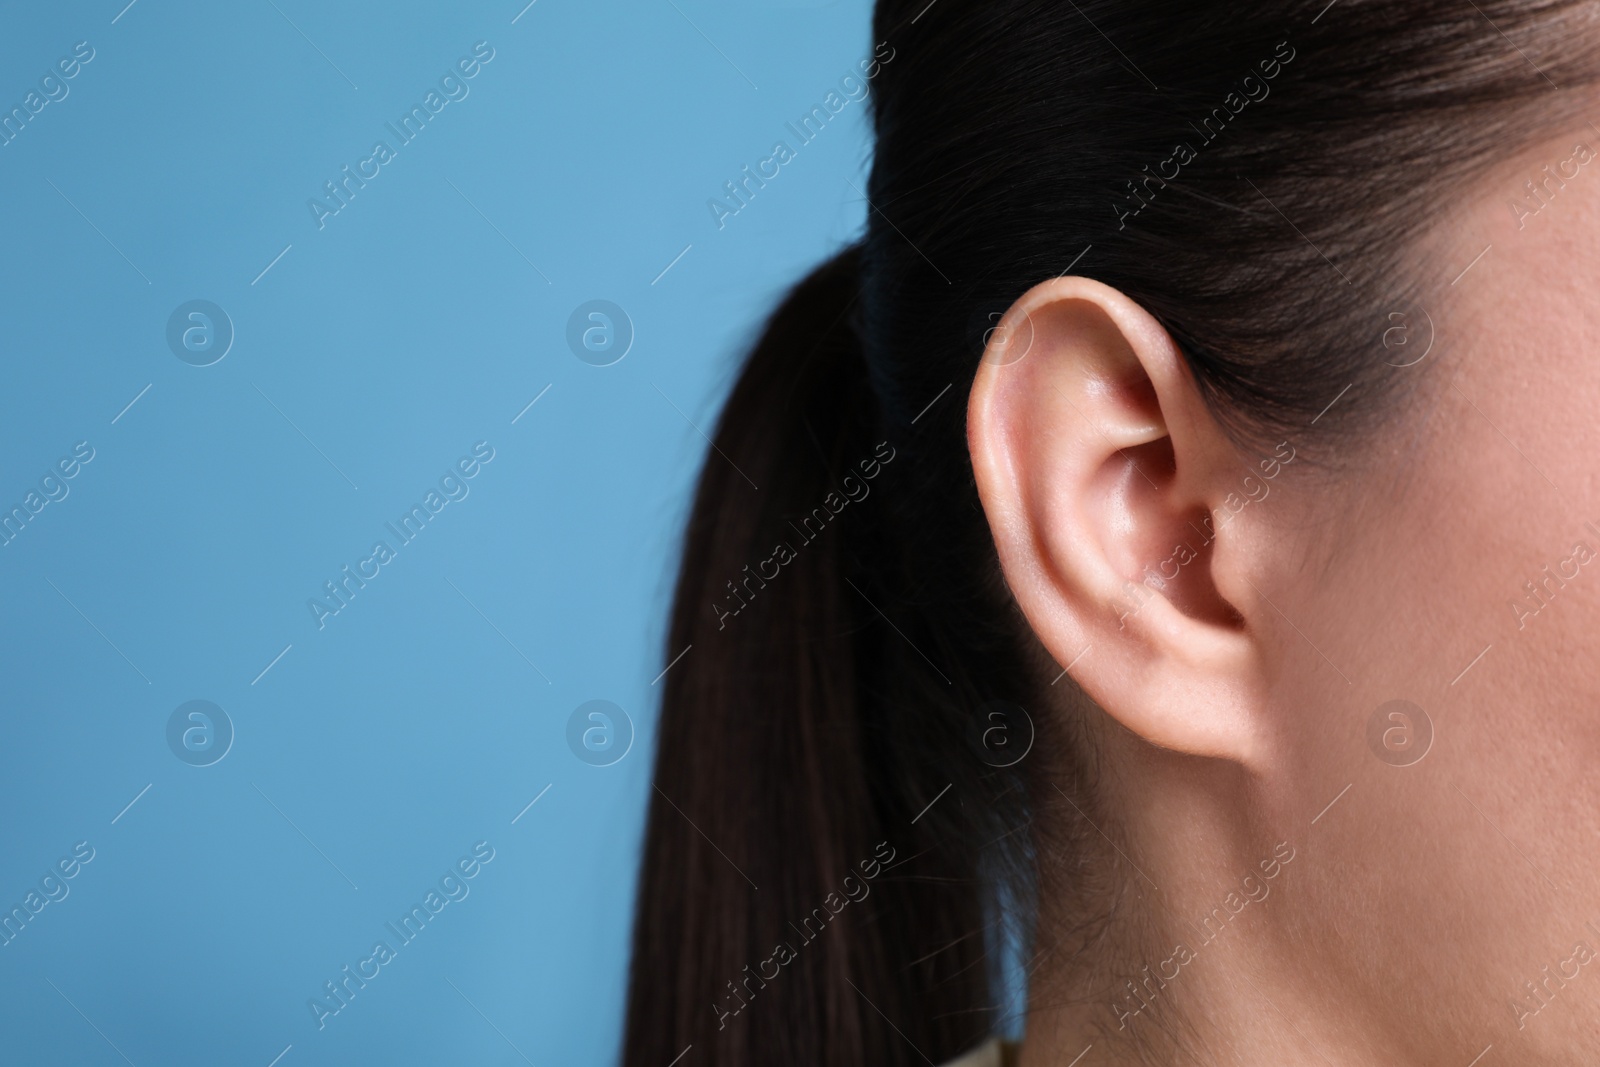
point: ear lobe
(1098, 465)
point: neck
(1191, 957)
(1212, 1004)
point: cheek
(1528, 489)
(1415, 586)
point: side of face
(1457, 573)
(1396, 654)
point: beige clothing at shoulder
(995, 1053)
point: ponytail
(790, 911)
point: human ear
(1100, 469)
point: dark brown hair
(837, 835)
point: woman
(1155, 566)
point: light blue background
(392, 340)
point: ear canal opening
(1180, 570)
(1193, 590)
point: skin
(1233, 704)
